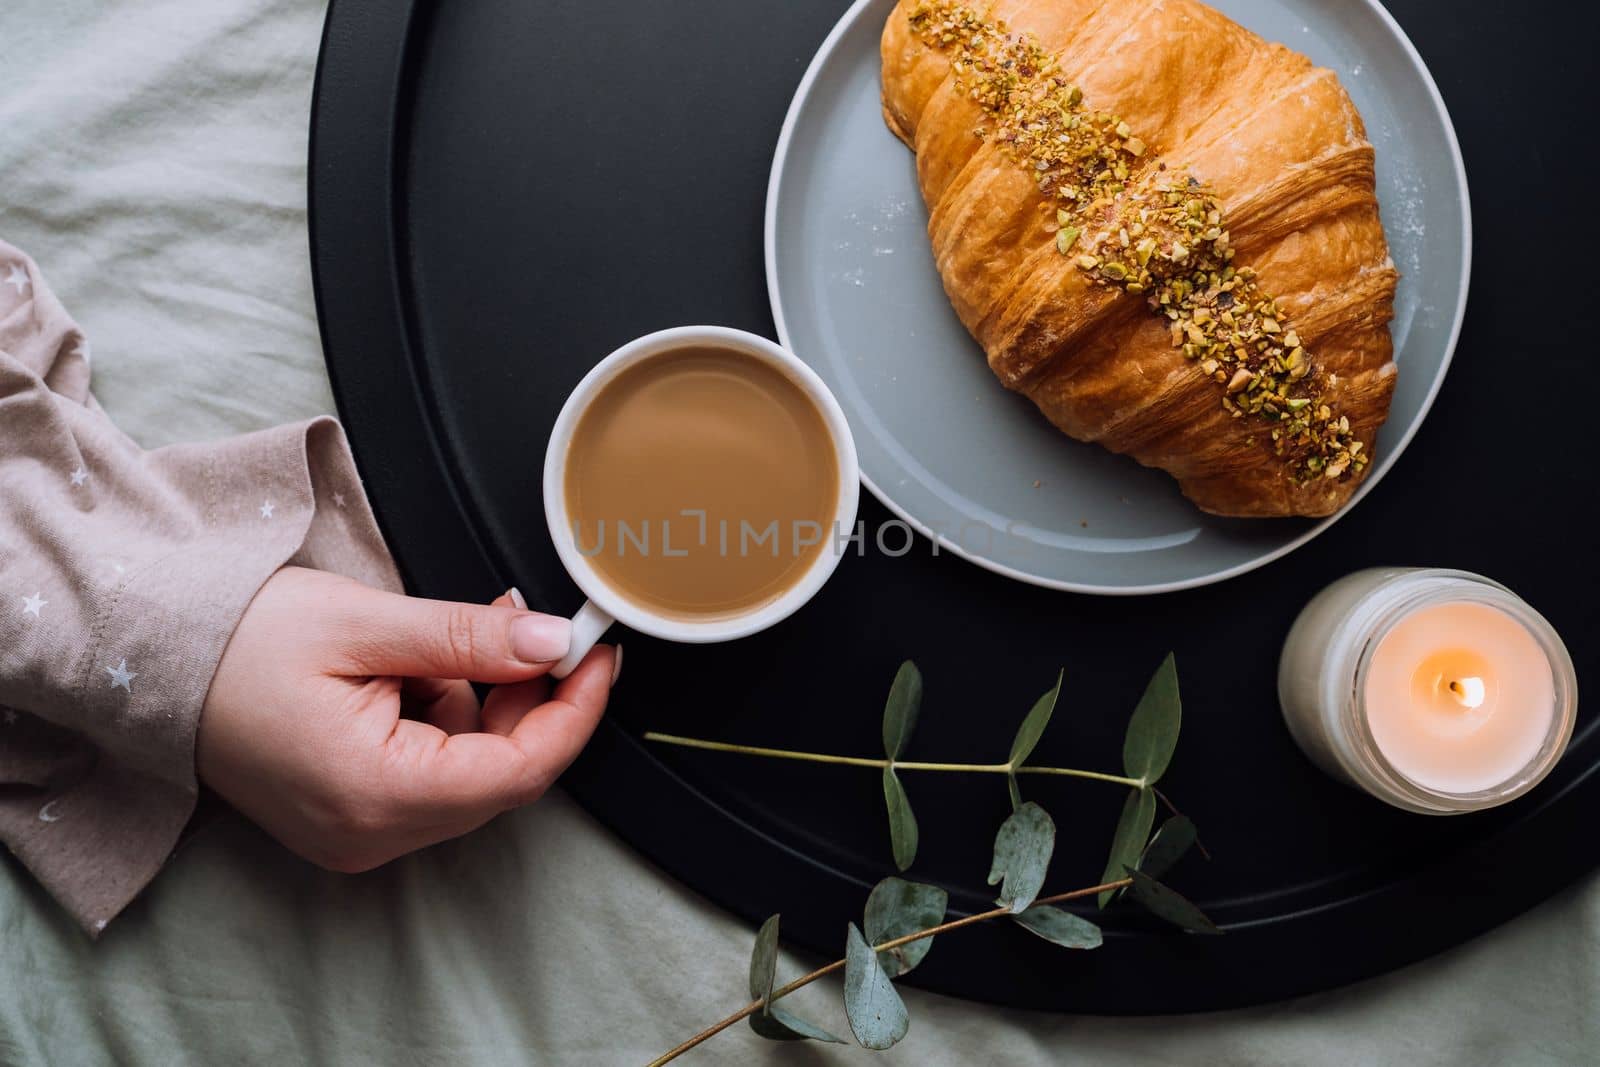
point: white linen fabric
(152, 159)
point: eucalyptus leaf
(1022, 851)
(764, 960)
(1015, 791)
(896, 908)
(1133, 829)
(900, 710)
(1153, 730)
(784, 1025)
(1175, 838)
(877, 1015)
(1166, 903)
(902, 823)
(773, 1022)
(1062, 927)
(1032, 727)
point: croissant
(1161, 229)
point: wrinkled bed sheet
(152, 159)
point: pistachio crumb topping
(1128, 220)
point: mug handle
(589, 625)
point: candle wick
(1469, 694)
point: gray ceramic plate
(855, 294)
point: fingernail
(616, 665)
(540, 638)
(516, 598)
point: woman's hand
(303, 730)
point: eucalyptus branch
(837, 965)
(881, 764)
(901, 917)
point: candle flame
(1469, 692)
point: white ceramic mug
(606, 605)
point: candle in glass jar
(1437, 691)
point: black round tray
(502, 192)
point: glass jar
(1328, 658)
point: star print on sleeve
(32, 605)
(266, 509)
(18, 279)
(79, 476)
(121, 676)
(338, 499)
